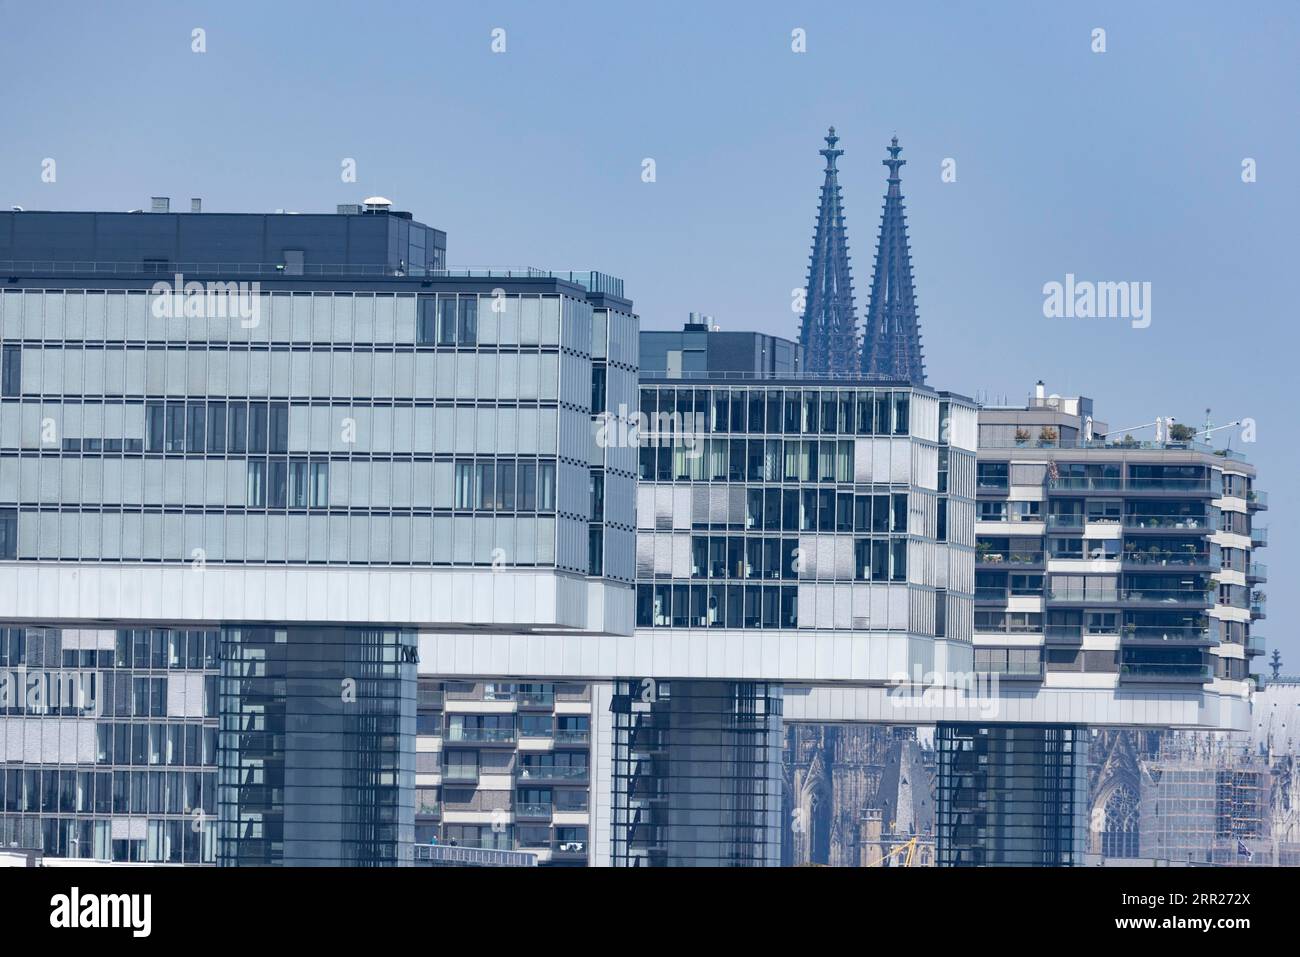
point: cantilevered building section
(891, 339)
(828, 332)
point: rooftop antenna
(1208, 431)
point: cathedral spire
(828, 331)
(891, 340)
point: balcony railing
(1165, 672)
(1176, 522)
(429, 700)
(535, 773)
(1008, 557)
(482, 694)
(1192, 485)
(572, 736)
(1170, 596)
(481, 735)
(1014, 673)
(1089, 595)
(1166, 633)
(427, 855)
(1135, 557)
(1065, 521)
(1259, 535)
(991, 594)
(1131, 444)
(536, 699)
(1256, 499)
(1063, 634)
(1257, 571)
(534, 811)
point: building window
(11, 372)
(256, 484)
(446, 320)
(426, 322)
(8, 533)
(467, 327)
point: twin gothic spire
(890, 347)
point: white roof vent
(378, 204)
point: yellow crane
(908, 846)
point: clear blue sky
(1117, 166)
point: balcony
(462, 735)
(1254, 644)
(557, 773)
(1072, 522)
(1256, 572)
(1258, 536)
(458, 774)
(429, 700)
(569, 850)
(1259, 607)
(1161, 559)
(482, 693)
(536, 699)
(990, 556)
(1257, 501)
(533, 812)
(572, 736)
(450, 855)
(1197, 674)
(1166, 634)
(1189, 597)
(1012, 674)
(1063, 635)
(994, 595)
(1184, 486)
(1082, 596)
(1095, 555)
(1085, 483)
(1167, 523)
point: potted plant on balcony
(1022, 436)
(1181, 433)
(1047, 436)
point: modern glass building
(785, 522)
(1107, 561)
(506, 766)
(1104, 564)
(1011, 795)
(338, 553)
(244, 462)
(108, 742)
(771, 501)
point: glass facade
(342, 428)
(316, 753)
(781, 507)
(1011, 795)
(516, 778)
(696, 774)
(1131, 563)
(108, 743)
(403, 424)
